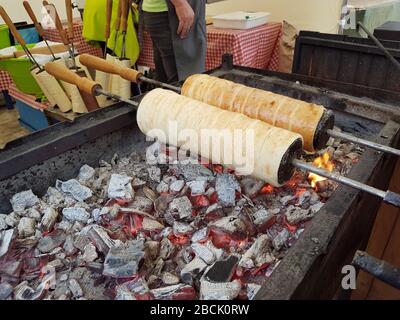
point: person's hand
(185, 15)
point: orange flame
(320, 162)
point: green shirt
(155, 6)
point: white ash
(123, 261)
(86, 173)
(169, 279)
(75, 288)
(6, 238)
(193, 172)
(204, 253)
(54, 197)
(23, 200)
(193, 269)
(154, 173)
(295, 215)
(280, 239)
(11, 220)
(89, 253)
(162, 187)
(76, 214)
(200, 235)
(258, 254)
(214, 207)
(26, 227)
(181, 206)
(197, 187)
(226, 187)
(151, 224)
(219, 290)
(120, 187)
(287, 199)
(230, 224)
(181, 228)
(263, 216)
(73, 188)
(177, 186)
(49, 219)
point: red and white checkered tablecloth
(5, 80)
(256, 48)
(80, 43)
(26, 98)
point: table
(255, 48)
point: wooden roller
(273, 149)
(309, 120)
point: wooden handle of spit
(52, 9)
(109, 67)
(124, 15)
(11, 26)
(68, 6)
(118, 20)
(32, 15)
(108, 18)
(63, 73)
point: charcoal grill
(310, 269)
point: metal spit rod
(388, 196)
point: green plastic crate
(5, 41)
(20, 72)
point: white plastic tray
(241, 20)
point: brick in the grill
(26, 227)
(123, 261)
(23, 200)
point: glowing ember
(320, 162)
(267, 189)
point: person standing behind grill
(178, 31)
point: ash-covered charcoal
(6, 239)
(169, 279)
(200, 235)
(162, 203)
(120, 187)
(75, 288)
(193, 172)
(3, 223)
(26, 227)
(123, 260)
(197, 187)
(54, 197)
(192, 270)
(33, 213)
(177, 186)
(280, 240)
(251, 290)
(230, 224)
(24, 292)
(89, 253)
(226, 187)
(162, 187)
(219, 290)
(6, 290)
(149, 224)
(76, 190)
(288, 199)
(100, 238)
(166, 249)
(258, 254)
(182, 207)
(251, 187)
(49, 219)
(204, 253)
(295, 215)
(154, 174)
(142, 204)
(175, 292)
(11, 268)
(23, 200)
(86, 173)
(51, 241)
(181, 228)
(132, 290)
(264, 216)
(76, 214)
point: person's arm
(185, 15)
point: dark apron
(190, 53)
